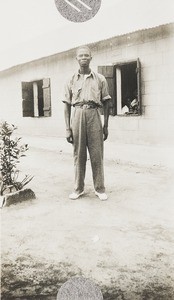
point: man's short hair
(83, 47)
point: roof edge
(89, 44)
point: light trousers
(88, 134)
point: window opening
(36, 98)
(127, 97)
(124, 87)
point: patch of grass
(31, 279)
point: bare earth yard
(125, 245)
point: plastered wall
(154, 48)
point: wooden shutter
(27, 99)
(46, 97)
(109, 73)
(139, 86)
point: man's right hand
(69, 136)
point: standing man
(86, 91)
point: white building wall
(11, 96)
(154, 48)
(155, 51)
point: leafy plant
(10, 153)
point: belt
(86, 105)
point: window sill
(128, 115)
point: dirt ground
(125, 245)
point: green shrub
(10, 153)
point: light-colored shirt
(84, 88)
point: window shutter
(46, 97)
(27, 99)
(110, 74)
(139, 86)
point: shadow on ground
(41, 281)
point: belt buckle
(86, 106)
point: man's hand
(105, 132)
(69, 136)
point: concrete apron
(126, 153)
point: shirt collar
(91, 74)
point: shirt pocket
(76, 91)
(95, 93)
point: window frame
(29, 106)
(114, 66)
(138, 71)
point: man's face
(83, 57)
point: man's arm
(67, 114)
(106, 119)
(105, 98)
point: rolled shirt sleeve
(105, 90)
(67, 93)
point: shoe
(75, 196)
(102, 196)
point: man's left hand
(105, 133)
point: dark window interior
(40, 98)
(129, 86)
